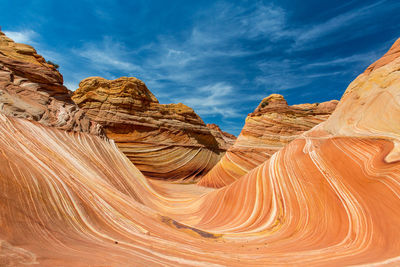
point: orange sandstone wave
(74, 209)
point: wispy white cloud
(280, 75)
(215, 99)
(107, 55)
(26, 36)
(265, 20)
(283, 75)
(305, 37)
(220, 40)
(363, 58)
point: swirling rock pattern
(331, 197)
(32, 89)
(164, 141)
(270, 127)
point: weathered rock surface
(271, 126)
(32, 89)
(164, 141)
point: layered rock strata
(165, 141)
(32, 89)
(271, 126)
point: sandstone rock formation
(271, 126)
(164, 141)
(328, 198)
(32, 89)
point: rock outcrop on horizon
(164, 141)
(271, 126)
(32, 89)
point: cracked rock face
(165, 141)
(32, 89)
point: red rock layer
(270, 127)
(163, 141)
(32, 89)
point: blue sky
(219, 57)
